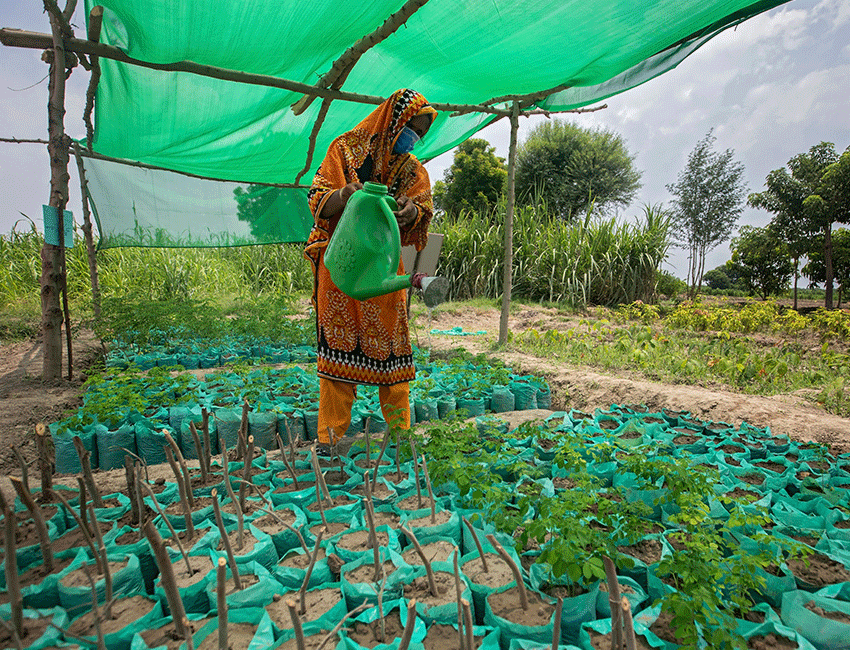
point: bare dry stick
(169, 583)
(246, 472)
(459, 596)
(397, 455)
(95, 611)
(369, 508)
(430, 490)
(220, 592)
(614, 602)
(467, 619)
(242, 435)
(205, 432)
(25, 476)
(85, 465)
(291, 440)
(320, 503)
(38, 517)
(432, 583)
(384, 442)
(416, 473)
(309, 572)
(141, 502)
(477, 544)
(130, 476)
(523, 596)
(373, 541)
(286, 462)
(556, 627)
(237, 508)
(407, 635)
(83, 529)
(181, 488)
(82, 499)
(296, 624)
(107, 573)
(225, 540)
(628, 624)
(44, 464)
(187, 479)
(13, 585)
(338, 627)
(297, 532)
(199, 450)
(170, 527)
(140, 461)
(320, 478)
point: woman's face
(420, 124)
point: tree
(474, 181)
(808, 202)
(574, 169)
(764, 259)
(816, 268)
(717, 279)
(708, 199)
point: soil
(166, 635)
(771, 642)
(603, 642)
(239, 637)
(125, 611)
(662, 629)
(317, 602)
(425, 522)
(377, 632)
(366, 572)
(419, 589)
(498, 572)
(300, 560)
(827, 613)
(647, 551)
(441, 636)
(34, 628)
(77, 577)
(506, 604)
(434, 551)
(821, 570)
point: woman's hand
(406, 213)
(346, 192)
(333, 207)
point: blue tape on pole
(51, 226)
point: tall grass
(590, 261)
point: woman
(367, 342)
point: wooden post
(87, 233)
(509, 228)
(45, 467)
(53, 257)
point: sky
(770, 89)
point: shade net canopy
(555, 55)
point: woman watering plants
(367, 341)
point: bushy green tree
(474, 181)
(717, 279)
(574, 169)
(708, 198)
(765, 260)
(815, 270)
(808, 201)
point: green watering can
(364, 252)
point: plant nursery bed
(374, 633)
(819, 570)
(603, 642)
(124, 612)
(317, 602)
(419, 589)
(506, 604)
(770, 642)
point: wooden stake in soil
(614, 602)
(338, 626)
(84, 529)
(416, 473)
(181, 488)
(286, 462)
(130, 476)
(95, 610)
(432, 583)
(40, 525)
(523, 596)
(84, 455)
(407, 635)
(25, 476)
(628, 624)
(221, 597)
(459, 596)
(240, 518)
(384, 442)
(225, 540)
(169, 583)
(173, 532)
(556, 628)
(320, 478)
(430, 490)
(477, 543)
(246, 472)
(296, 624)
(369, 508)
(82, 500)
(242, 435)
(140, 502)
(44, 465)
(107, 573)
(13, 585)
(199, 450)
(205, 432)
(303, 591)
(467, 619)
(187, 479)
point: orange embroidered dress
(367, 342)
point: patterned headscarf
(365, 153)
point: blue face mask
(405, 141)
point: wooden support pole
(509, 228)
(45, 467)
(95, 23)
(53, 257)
(87, 233)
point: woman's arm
(335, 204)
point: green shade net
(570, 53)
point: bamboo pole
(509, 228)
(87, 233)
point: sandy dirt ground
(26, 400)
